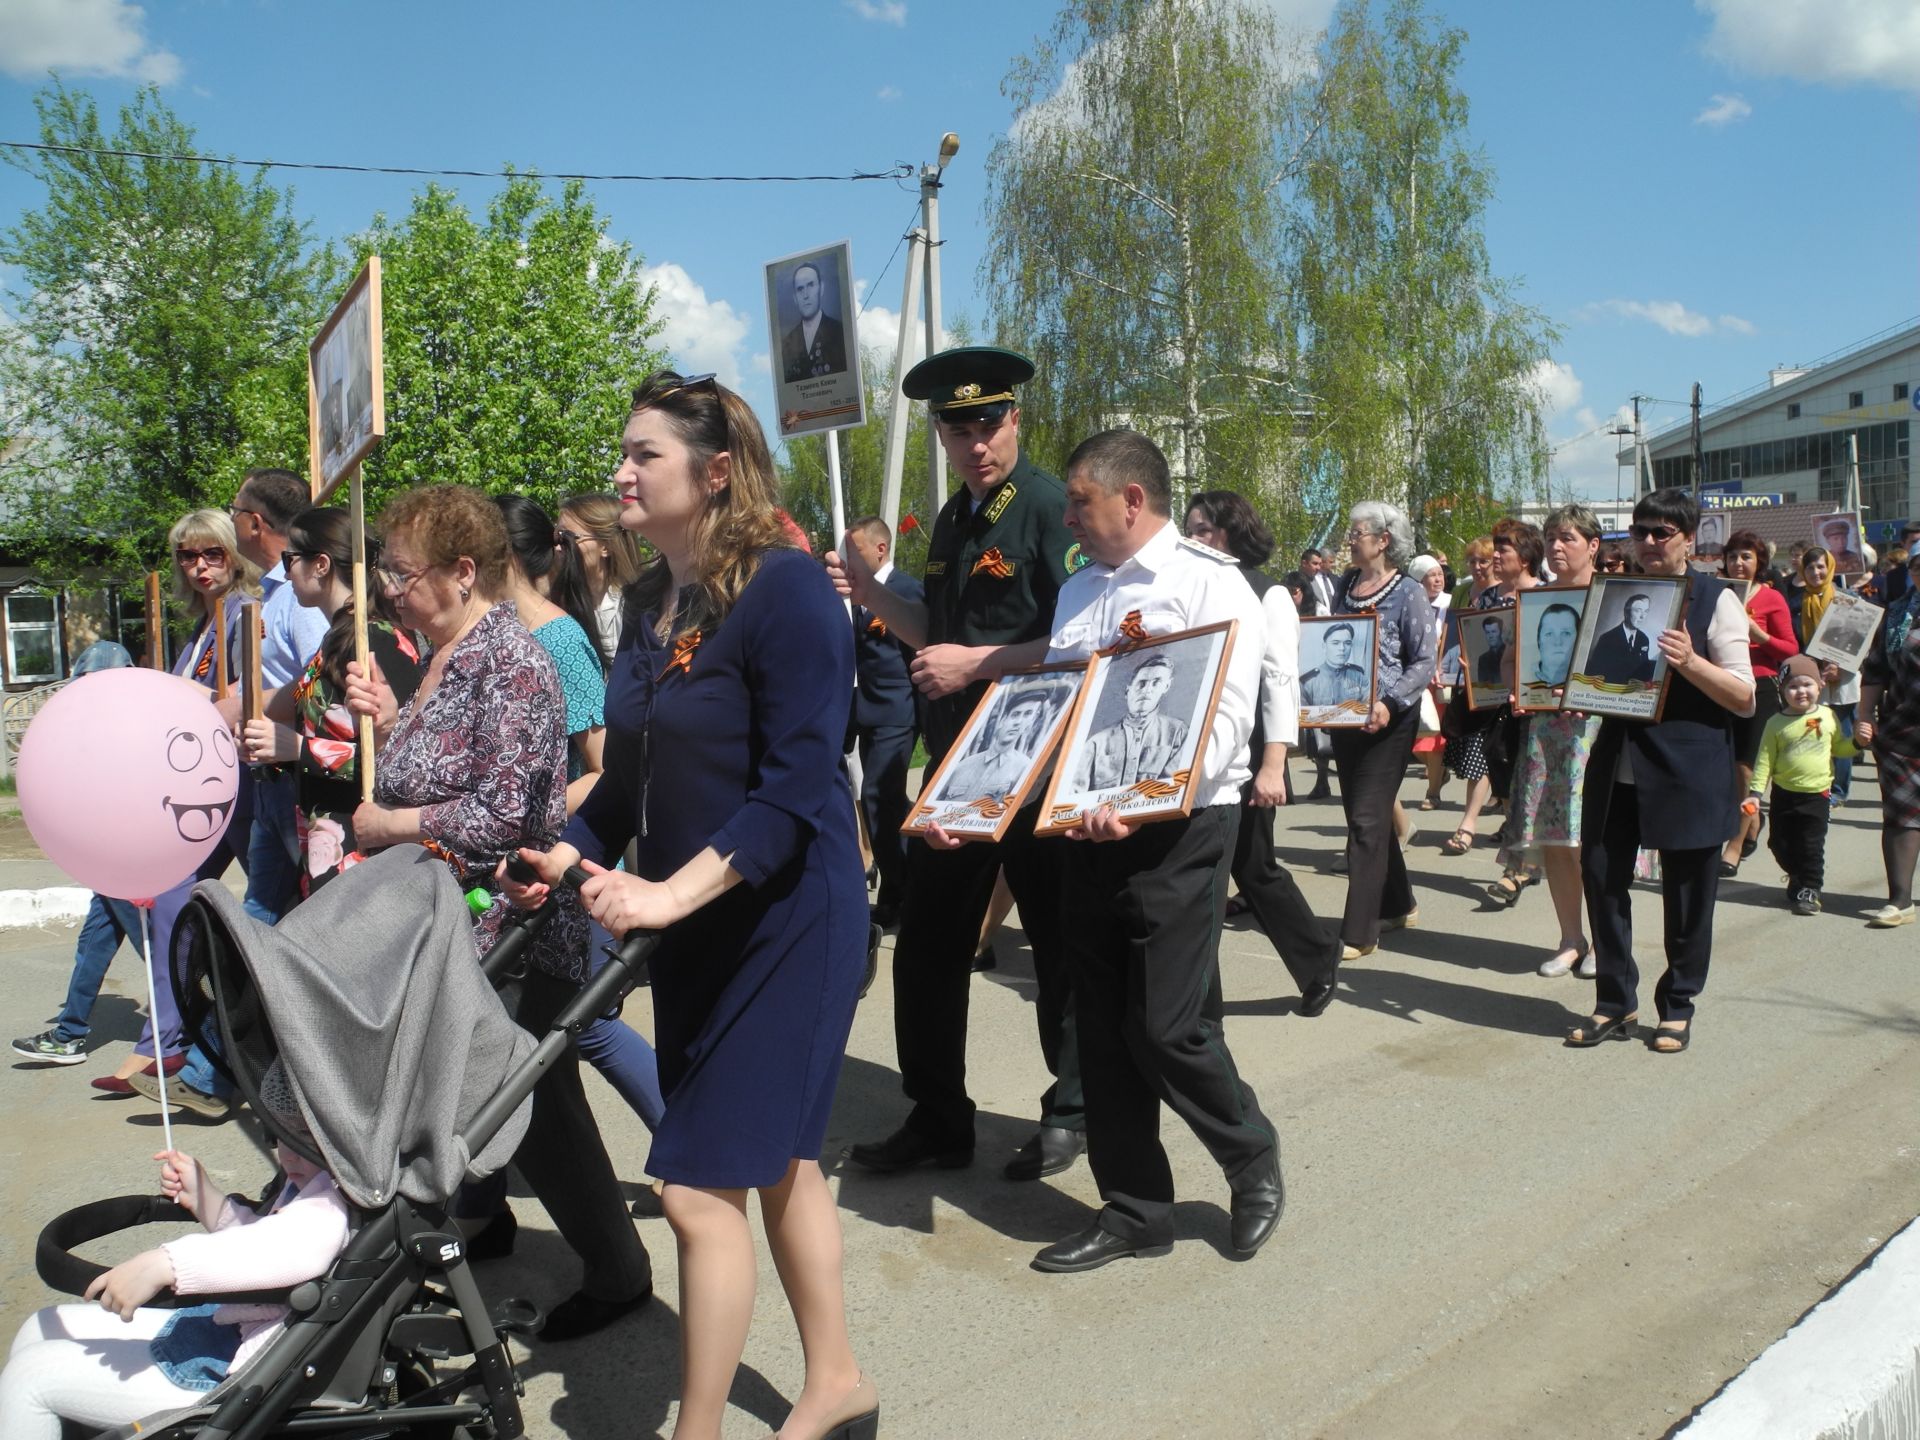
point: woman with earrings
(726, 711)
(1669, 786)
(308, 725)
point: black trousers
(1689, 885)
(948, 892)
(1371, 769)
(885, 753)
(1308, 948)
(1143, 932)
(1798, 836)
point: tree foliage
(1137, 233)
(512, 345)
(160, 306)
(1420, 362)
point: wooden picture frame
(346, 386)
(999, 755)
(1845, 632)
(1613, 674)
(1543, 661)
(1138, 733)
(1329, 700)
(1487, 669)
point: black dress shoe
(1091, 1248)
(1318, 995)
(1259, 1195)
(580, 1314)
(495, 1240)
(906, 1148)
(1052, 1150)
(985, 958)
(874, 933)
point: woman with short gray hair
(1372, 758)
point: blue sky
(1690, 191)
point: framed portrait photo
(1546, 626)
(1000, 755)
(1845, 632)
(813, 341)
(346, 385)
(1486, 656)
(1339, 669)
(1139, 731)
(1839, 536)
(1716, 527)
(1618, 670)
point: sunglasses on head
(1661, 533)
(212, 554)
(705, 381)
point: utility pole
(925, 237)
(1642, 467)
(930, 222)
(1697, 467)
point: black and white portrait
(346, 399)
(1486, 650)
(1337, 669)
(999, 755)
(1845, 632)
(1137, 737)
(1617, 668)
(812, 323)
(1546, 627)
(1839, 536)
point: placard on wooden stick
(346, 421)
(251, 630)
(156, 630)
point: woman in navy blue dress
(726, 708)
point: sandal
(1458, 843)
(1602, 1027)
(1563, 960)
(1683, 1037)
(1505, 892)
(1432, 802)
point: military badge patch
(1000, 503)
(1076, 558)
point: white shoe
(1562, 962)
(1588, 967)
(1888, 916)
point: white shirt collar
(1153, 555)
(880, 575)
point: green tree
(158, 304)
(511, 346)
(1421, 363)
(1137, 234)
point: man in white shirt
(1143, 902)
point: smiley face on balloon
(128, 779)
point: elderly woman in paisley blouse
(473, 767)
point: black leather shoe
(906, 1148)
(1259, 1196)
(580, 1314)
(1052, 1150)
(495, 1240)
(1318, 995)
(1091, 1248)
(874, 933)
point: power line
(896, 173)
(873, 287)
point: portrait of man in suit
(1143, 743)
(1626, 652)
(1487, 669)
(1336, 679)
(817, 345)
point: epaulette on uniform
(1207, 550)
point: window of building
(1793, 409)
(1856, 398)
(1899, 389)
(32, 622)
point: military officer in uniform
(999, 552)
(1143, 743)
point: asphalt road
(1487, 1234)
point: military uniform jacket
(993, 574)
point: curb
(24, 909)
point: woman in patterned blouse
(307, 724)
(474, 766)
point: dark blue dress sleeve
(799, 674)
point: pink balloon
(127, 780)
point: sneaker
(52, 1049)
(181, 1094)
(1806, 901)
(1888, 916)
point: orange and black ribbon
(876, 627)
(682, 658)
(1813, 726)
(1131, 629)
(994, 563)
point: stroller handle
(60, 1269)
(521, 873)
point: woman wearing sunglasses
(1669, 786)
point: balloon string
(153, 1010)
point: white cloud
(1672, 317)
(1558, 385)
(887, 92)
(701, 334)
(887, 12)
(1723, 110)
(81, 37)
(880, 333)
(1830, 42)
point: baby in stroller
(121, 1360)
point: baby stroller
(412, 1079)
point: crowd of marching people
(661, 686)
